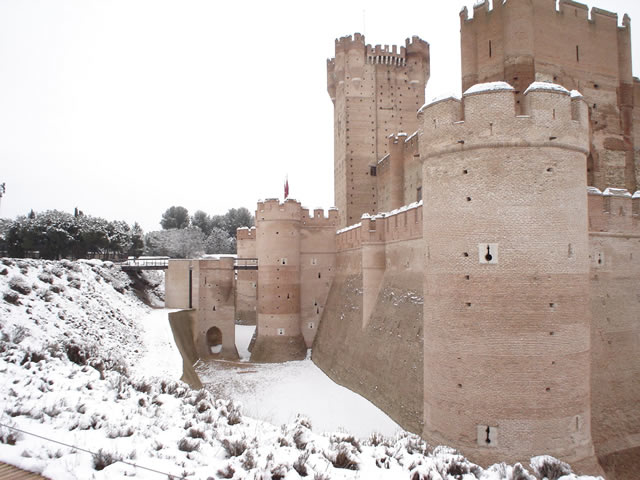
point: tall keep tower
(376, 92)
(522, 41)
(506, 290)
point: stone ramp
(9, 472)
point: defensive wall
(399, 173)
(614, 249)
(370, 338)
(525, 41)
(246, 291)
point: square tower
(376, 92)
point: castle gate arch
(214, 340)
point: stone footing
(278, 349)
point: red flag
(286, 188)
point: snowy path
(162, 358)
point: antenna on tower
(364, 22)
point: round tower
(278, 336)
(506, 310)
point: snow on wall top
(617, 192)
(552, 87)
(350, 227)
(440, 98)
(575, 94)
(593, 191)
(365, 216)
(488, 87)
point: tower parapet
(486, 118)
(506, 289)
(521, 42)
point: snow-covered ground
(278, 392)
(75, 343)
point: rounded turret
(279, 337)
(507, 319)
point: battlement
(404, 223)
(222, 262)
(274, 209)
(246, 233)
(350, 41)
(615, 210)
(317, 217)
(486, 118)
(564, 7)
(380, 54)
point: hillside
(72, 351)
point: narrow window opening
(488, 439)
(214, 308)
(490, 49)
(488, 257)
(319, 275)
(577, 53)
(372, 171)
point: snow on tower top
(552, 87)
(488, 87)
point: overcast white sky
(126, 107)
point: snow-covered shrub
(55, 288)
(226, 472)
(376, 439)
(11, 297)
(4, 271)
(350, 439)
(300, 465)
(279, 472)
(342, 457)
(248, 461)
(196, 433)
(9, 436)
(104, 458)
(45, 277)
(550, 468)
(234, 446)
(300, 438)
(20, 285)
(186, 445)
(18, 334)
(303, 421)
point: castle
(479, 278)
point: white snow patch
(488, 87)
(593, 191)
(552, 87)
(617, 192)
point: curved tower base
(278, 349)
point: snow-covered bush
(20, 285)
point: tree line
(185, 236)
(54, 234)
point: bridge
(162, 263)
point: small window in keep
(284, 261)
(418, 194)
(373, 170)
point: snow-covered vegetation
(70, 353)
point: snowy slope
(72, 357)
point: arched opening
(214, 340)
